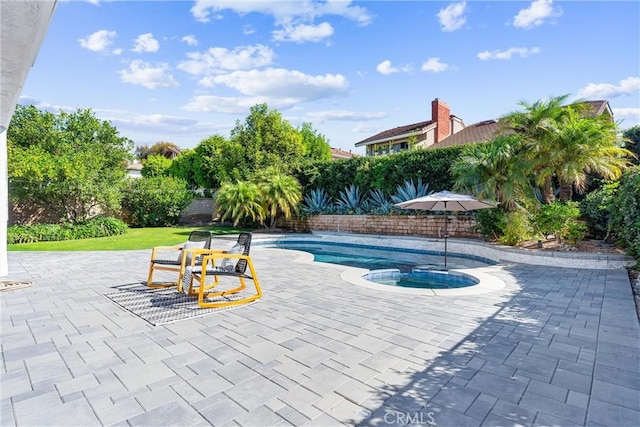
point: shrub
(562, 220)
(94, 227)
(156, 201)
(625, 213)
(379, 203)
(491, 223)
(596, 207)
(518, 228)
(316, 202)
(351, 201)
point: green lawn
(134, 238)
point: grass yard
(134, 238)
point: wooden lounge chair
(205, 280)
(177, 258)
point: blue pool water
(409, 268)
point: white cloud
(523, 52)
(386, 68)
(343, 115)
(145, 43)
(220, 59)
(191, 40)
(248, 30)
(100, 42)
(226, 105)
(286, 11)
(303, 33)
(279, 83)
(633, 112)
(452, 17)
(434, 65)
(366, 128)
(628, 86)
(536, 14)
(144, 74)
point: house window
(399, 146)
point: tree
(267, 140)
(155, 165)
(219, 160)
(280, 194)
(72, 163)
(632, 142)
(239, 201)
(581, 145)
(184, 167)
(316, 146)
(534, 125)
(159, 148)
(496, 170)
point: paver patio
(555, 346)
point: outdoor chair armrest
(157, 249)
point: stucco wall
(403, 225)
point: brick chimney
(441, 114)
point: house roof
(390, 133)
(488, 129)
(477, 132)
(337, 153)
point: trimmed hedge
(94, 227)
(383, 172)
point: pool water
(403, 267)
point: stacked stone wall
(402, 225)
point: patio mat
(160, 306)
(12, 285)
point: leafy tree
(184, 167)
(267, 140)
(159, 149)
(316, 146)
(632, 142)
(155, 165)
(219, 160)
(72, 163)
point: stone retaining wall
(399, 225)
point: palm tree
(239, 201)
(496, 170)
(584, 145)
(280, 194)
(536, 126)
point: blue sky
(181, 71)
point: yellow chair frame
(173, 265)
(205, 291)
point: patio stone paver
(555, 346)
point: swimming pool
(380, 258)
(399, 267)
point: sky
(181, 71)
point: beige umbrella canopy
(446, 201)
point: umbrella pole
(445, 234)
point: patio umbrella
(446, 201)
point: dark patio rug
(159, 306)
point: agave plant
(408, 190)
(351, 201)
(317, 202)
(378, 202)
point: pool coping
(475, 248)
(354, 275)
